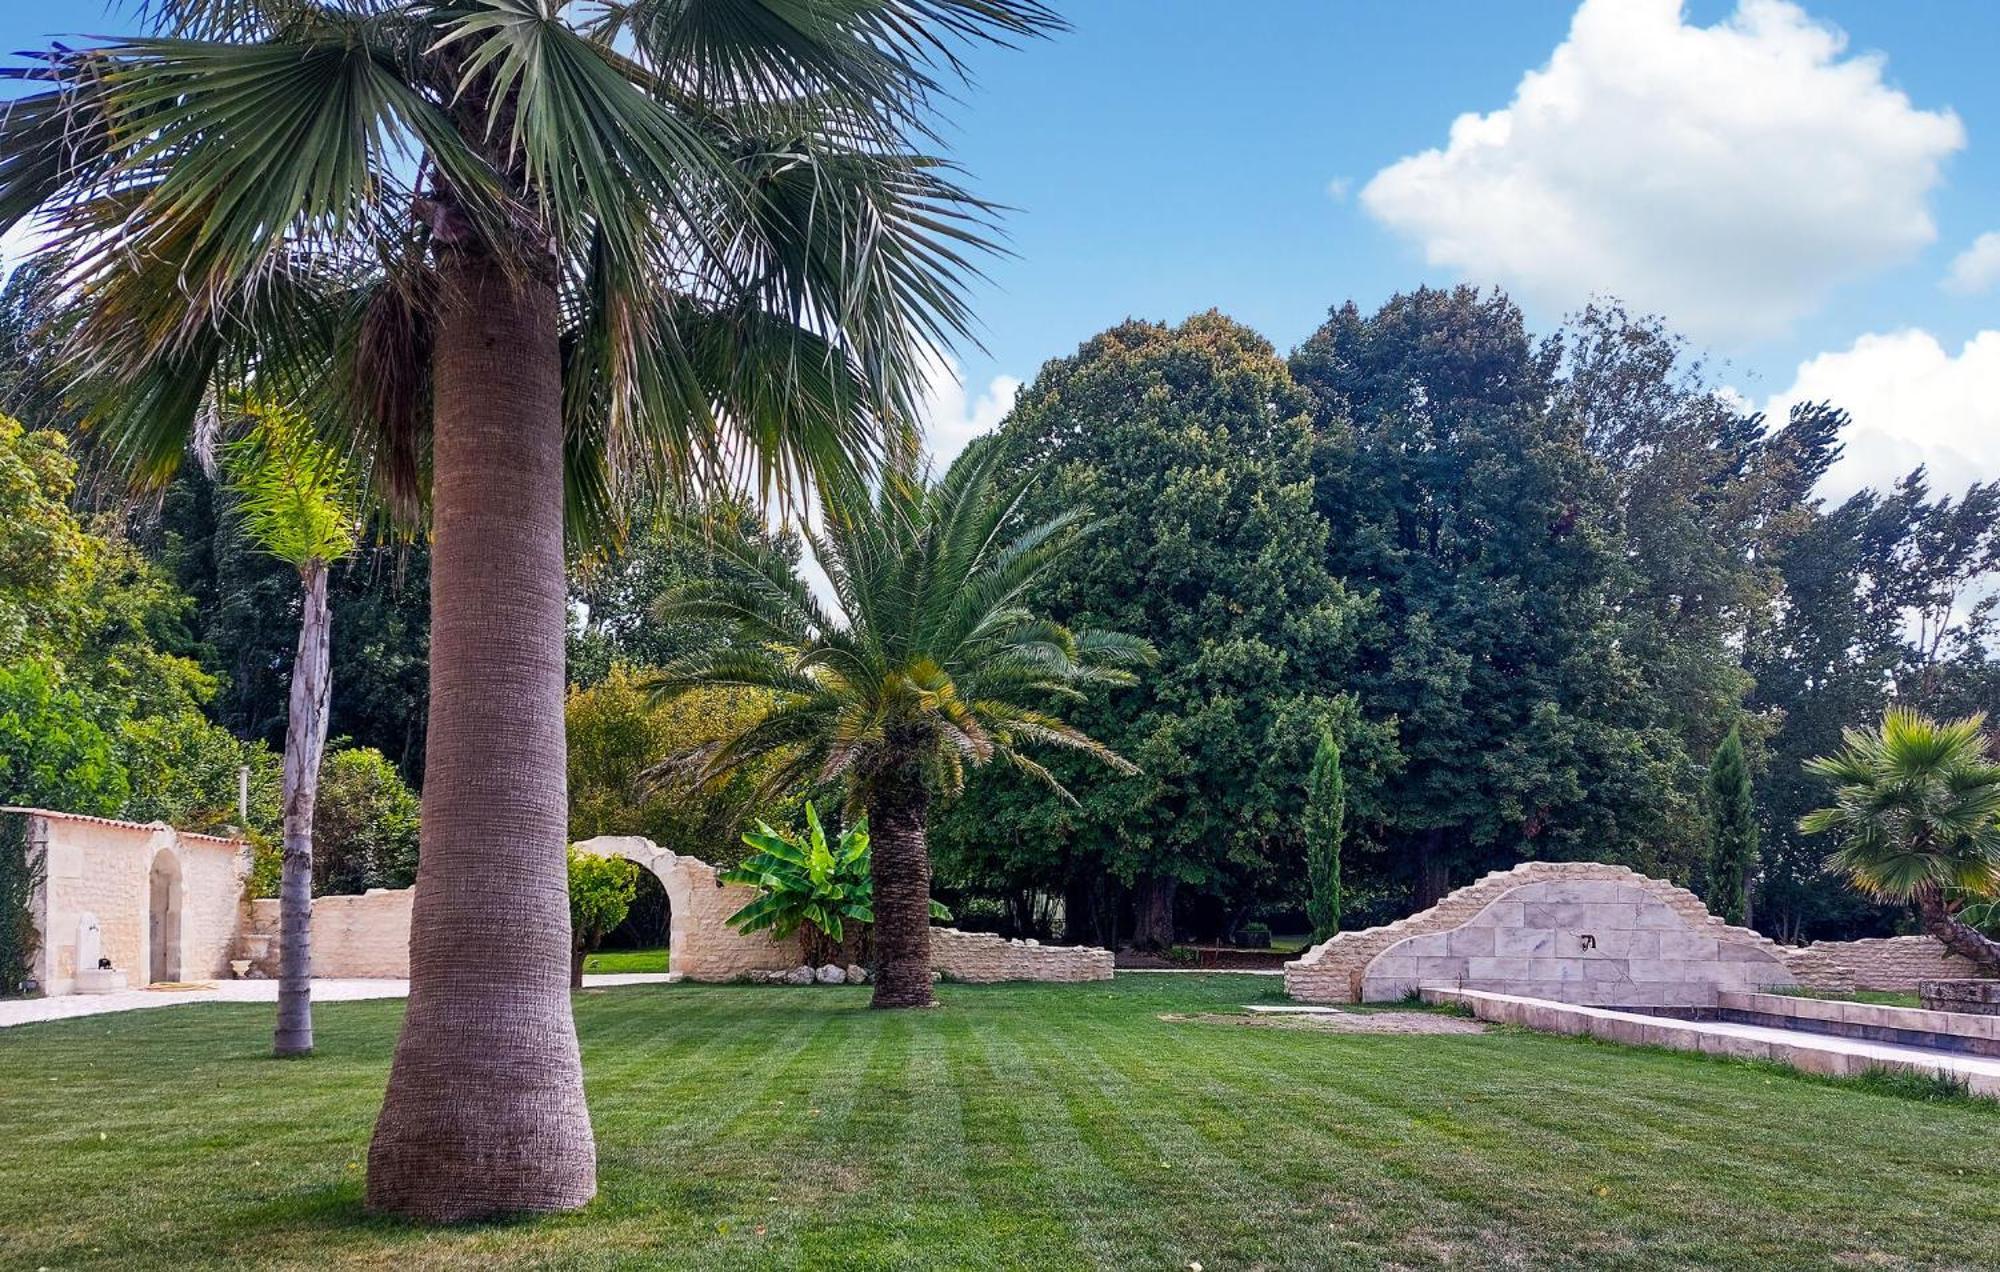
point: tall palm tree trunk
(900, 866)
(484, 1113)
(305, 739)
(1956, 935)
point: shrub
(365, 827)
(184, 772)
(20, 874)
(600, 892)
(53, 753)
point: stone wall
(1578, 932)
(106, 868)
(1894, 963)
(361, 937)
(700, 943)
(982, 958)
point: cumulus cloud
(1726, 176)
(1913, 402)
(953, 417)
(1977, 268)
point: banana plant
(809, 888)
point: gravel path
(27, 1011)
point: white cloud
(1977, 268)
(1727, 177)
(952, 418)
(1913, 403)
(1337, 189)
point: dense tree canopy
(1492, 540)
(1191, 450)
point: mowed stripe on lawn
(1015, 1127)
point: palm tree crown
(753, 253)
(1917, 813)
(935, 662)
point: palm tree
(296, 500)
(933, 664)
(1918, 816)
(533, 255)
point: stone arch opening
(164, 904)
(648, 924)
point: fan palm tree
(530, 255)
(297, 501)
(935, 663)
(1917, 813)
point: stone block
(1555, 914)
(1523, 942)
(1657, 916)
(1470, 941)
(1690, 946)
(1445, 968)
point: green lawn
(1018, 1127)
(654, 960)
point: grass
(653, 960)
(1041, 1127)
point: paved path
(25, 1011)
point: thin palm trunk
(900, 866)
(1955, 934)
(305, 740)
(485, 1113)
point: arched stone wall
(1580, 932)
(700, 943)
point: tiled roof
(122, 825)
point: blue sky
(1789, 183)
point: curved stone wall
(1579, 932)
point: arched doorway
(163, 919)
(642, 938)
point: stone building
(158, 904)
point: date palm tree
(1917, 813)
(935, 661)
(297, 501)
(531, 254)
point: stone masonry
(1579, 932)
(163, 899)
(369, 936)
(353, 937)
(982, 958)
(1894, 963)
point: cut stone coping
(1960, 1024)
(1822, 1054)
(28, 1011)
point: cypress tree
(1733, 830)
(1326, 810)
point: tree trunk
(1433, 872)
(485, 1114)
(900, 866)
(1153, 917)
(577, 956)
(305, 739)
(1960, 938)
